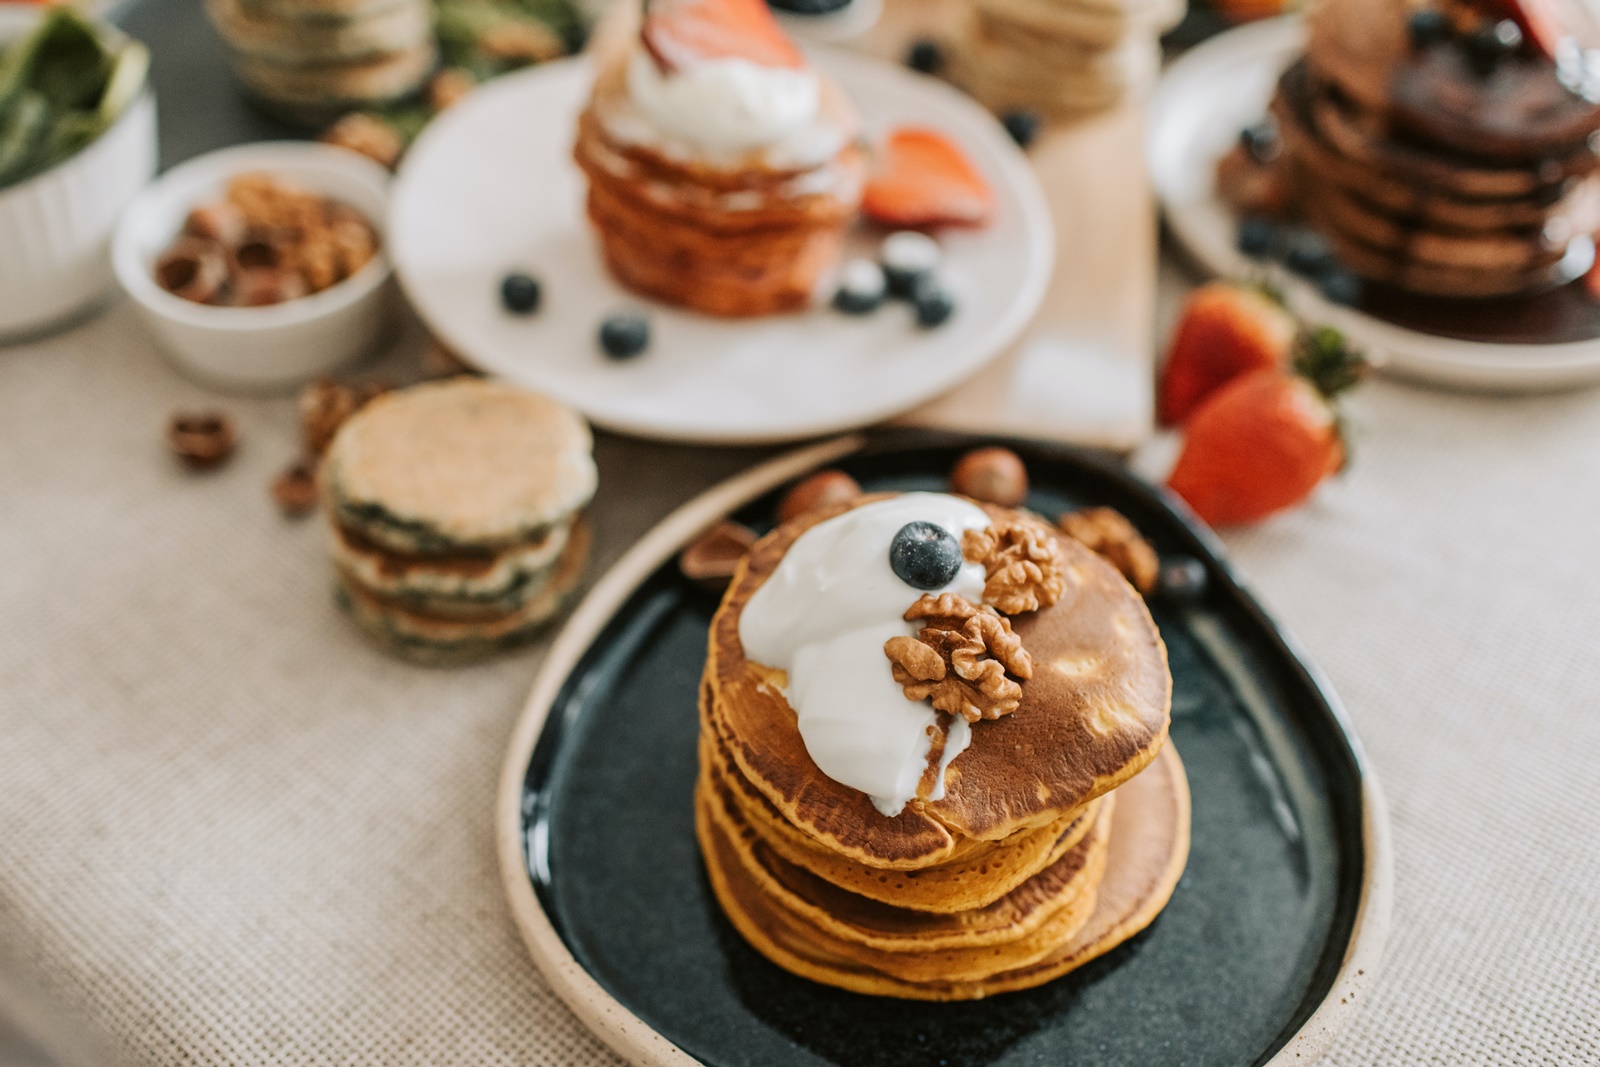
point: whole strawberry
(1266, 440)
(1226, 330)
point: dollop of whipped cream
(823, 616)
(724, 105)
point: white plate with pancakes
(1203, 102)
(491, 187)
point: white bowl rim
(138, 281)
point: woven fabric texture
(235, 834)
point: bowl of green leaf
(77, 141)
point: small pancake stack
(455, 516)
(1440, 150)
(310, 61)
(1058, 832)
(716, 223)
(1060, 58)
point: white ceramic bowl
(258, 348)
(55, 228)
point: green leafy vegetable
(61, 86)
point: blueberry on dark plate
(862, 287)
(1262, 141)
(933, 305)
(624, 334)
(925, 56)
(1488, 47)
(925, 555)
(1258, 237)
(521, 293)
(908, 258)
(1023, 126)
(809, 7)
(1341, 286)
(1183, 580)
(1307, 253)
(1427, 27)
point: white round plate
(491, 186)
(1203, 101)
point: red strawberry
(924, 179)
(1226, 330)
(1539, 20)
(1267, 439)
(680, 33)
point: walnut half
(967, 660)
(1023, 562)
(1109, 535)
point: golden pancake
(1012, 918)
(1147, 849)
(981, 875)
(1094, 714)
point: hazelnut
(201, 439)
(295, 490)
(219, 221)
(713, 556)
(324, 405)
(821, 490)
(992, 475)
(194, 268)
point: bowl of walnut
(261, 267)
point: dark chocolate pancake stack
(1441, 150)
(1055, 835)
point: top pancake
(464, 463)
(1094, 714)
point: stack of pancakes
(1061, 832)
(1061, 58)
(454, 512)
(1431, 175)
(730, 234)
(312, 60)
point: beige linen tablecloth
(232, 833)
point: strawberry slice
(924, 179)
(680, 33)
(1226, 330)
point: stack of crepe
(1060, 832)
(1429, 172)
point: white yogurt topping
(823, 617)
(724, 105)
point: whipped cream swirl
(724, 105)
(823, 616)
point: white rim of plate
(634, 1039)
(1019, 181)
(1205, 227)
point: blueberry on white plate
(908, 259)
(933, 305)
(624, 334)
(521, 293)
(862, 287)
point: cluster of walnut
(966, 660)
(266, 241)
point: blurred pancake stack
(455, 514)
(310, 61)
(723, 170)
(1038, 825)
(1446, 149)
(1060, 58)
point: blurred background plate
(491, 186)
(1205, 98)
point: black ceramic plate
(1264, 948)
